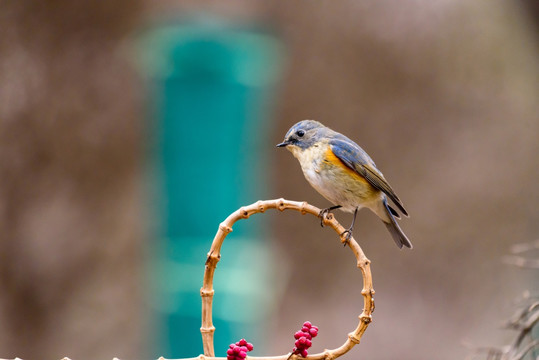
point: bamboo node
(363, 262)
(206, 293)
(281, 206)
(354, 338)
(213, 259)
(210, 329)
(328, 355)
(244, 213)
(225, 228)
(367, 319)
(261, 206)
(302, 209)
(365, 292)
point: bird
(343, 173)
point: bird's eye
(300, 133)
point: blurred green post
(211, 86)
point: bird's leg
(348, 232)
(324, 212)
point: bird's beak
(283, 144)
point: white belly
(335, 183)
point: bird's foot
(346, 235)
(325, 212)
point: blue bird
(344, 174)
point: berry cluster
(238, 351)
(303, 338)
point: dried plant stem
(525, 320)
(523, 261)
(214, 256)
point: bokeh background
(130, 129)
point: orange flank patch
(331, 158)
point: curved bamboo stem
(206, 292)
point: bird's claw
(322, 215)
(346, 235)
(325, 212)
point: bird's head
(302, 135)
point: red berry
(304, 338)
(238, 351)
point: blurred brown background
(442, 94)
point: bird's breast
(333, 179)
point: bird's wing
(357, 159)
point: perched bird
(343, 173)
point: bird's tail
(396, 232)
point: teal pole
(212, 87)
